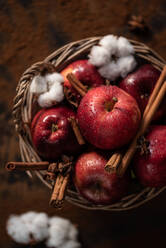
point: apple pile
(108, 117)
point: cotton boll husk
(70, 244)
(109, 42)
(58, 231)
(53, 78)
(17, 229)
(99, 56)
(73, 232)
(126, 65)
(51, 97)
(39, 228)
(38, 85)
(124, 47)
(109, 71)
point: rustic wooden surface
(29, 31)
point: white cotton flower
(53, 78)
(109, 42)
(17, 229)
(124, 47)
(110, 71)
(99, 56)
(58, 231)
(126, 65)
(70, 244)
(38, 85)
(51, 97)
(39, 227)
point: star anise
(137, 23)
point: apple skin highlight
(108, 117)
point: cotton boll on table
(62, 233)
(56, 232)
(17, 229)
(28, 226)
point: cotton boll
(73, 232)
(70, 244)
(99, 56)
(17, 229)
(51, 97)
(109, 71)
(38, 85)
(39, 228)
(109, 42)
(124, 47)
(126, 65)
(58, 231)
(53, 78)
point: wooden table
(30, 30)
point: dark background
(29, 31)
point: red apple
(52, 134)
(108, 117)
(150, 168)
(85, 72)
(140, 85)
(95, 184)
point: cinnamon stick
(144, 124)
(12, 166)
(77, 85)
(76, 130)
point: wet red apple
(84, 72)
(108, 117)
(52, 134)
(150, 168)
(95, 184)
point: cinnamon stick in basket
(78, 86)
(76, 130)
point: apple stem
(143, 145)
(54, 128)
(109, 105)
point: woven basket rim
(22, 114)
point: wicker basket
(24, 104)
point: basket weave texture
(23, 114)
